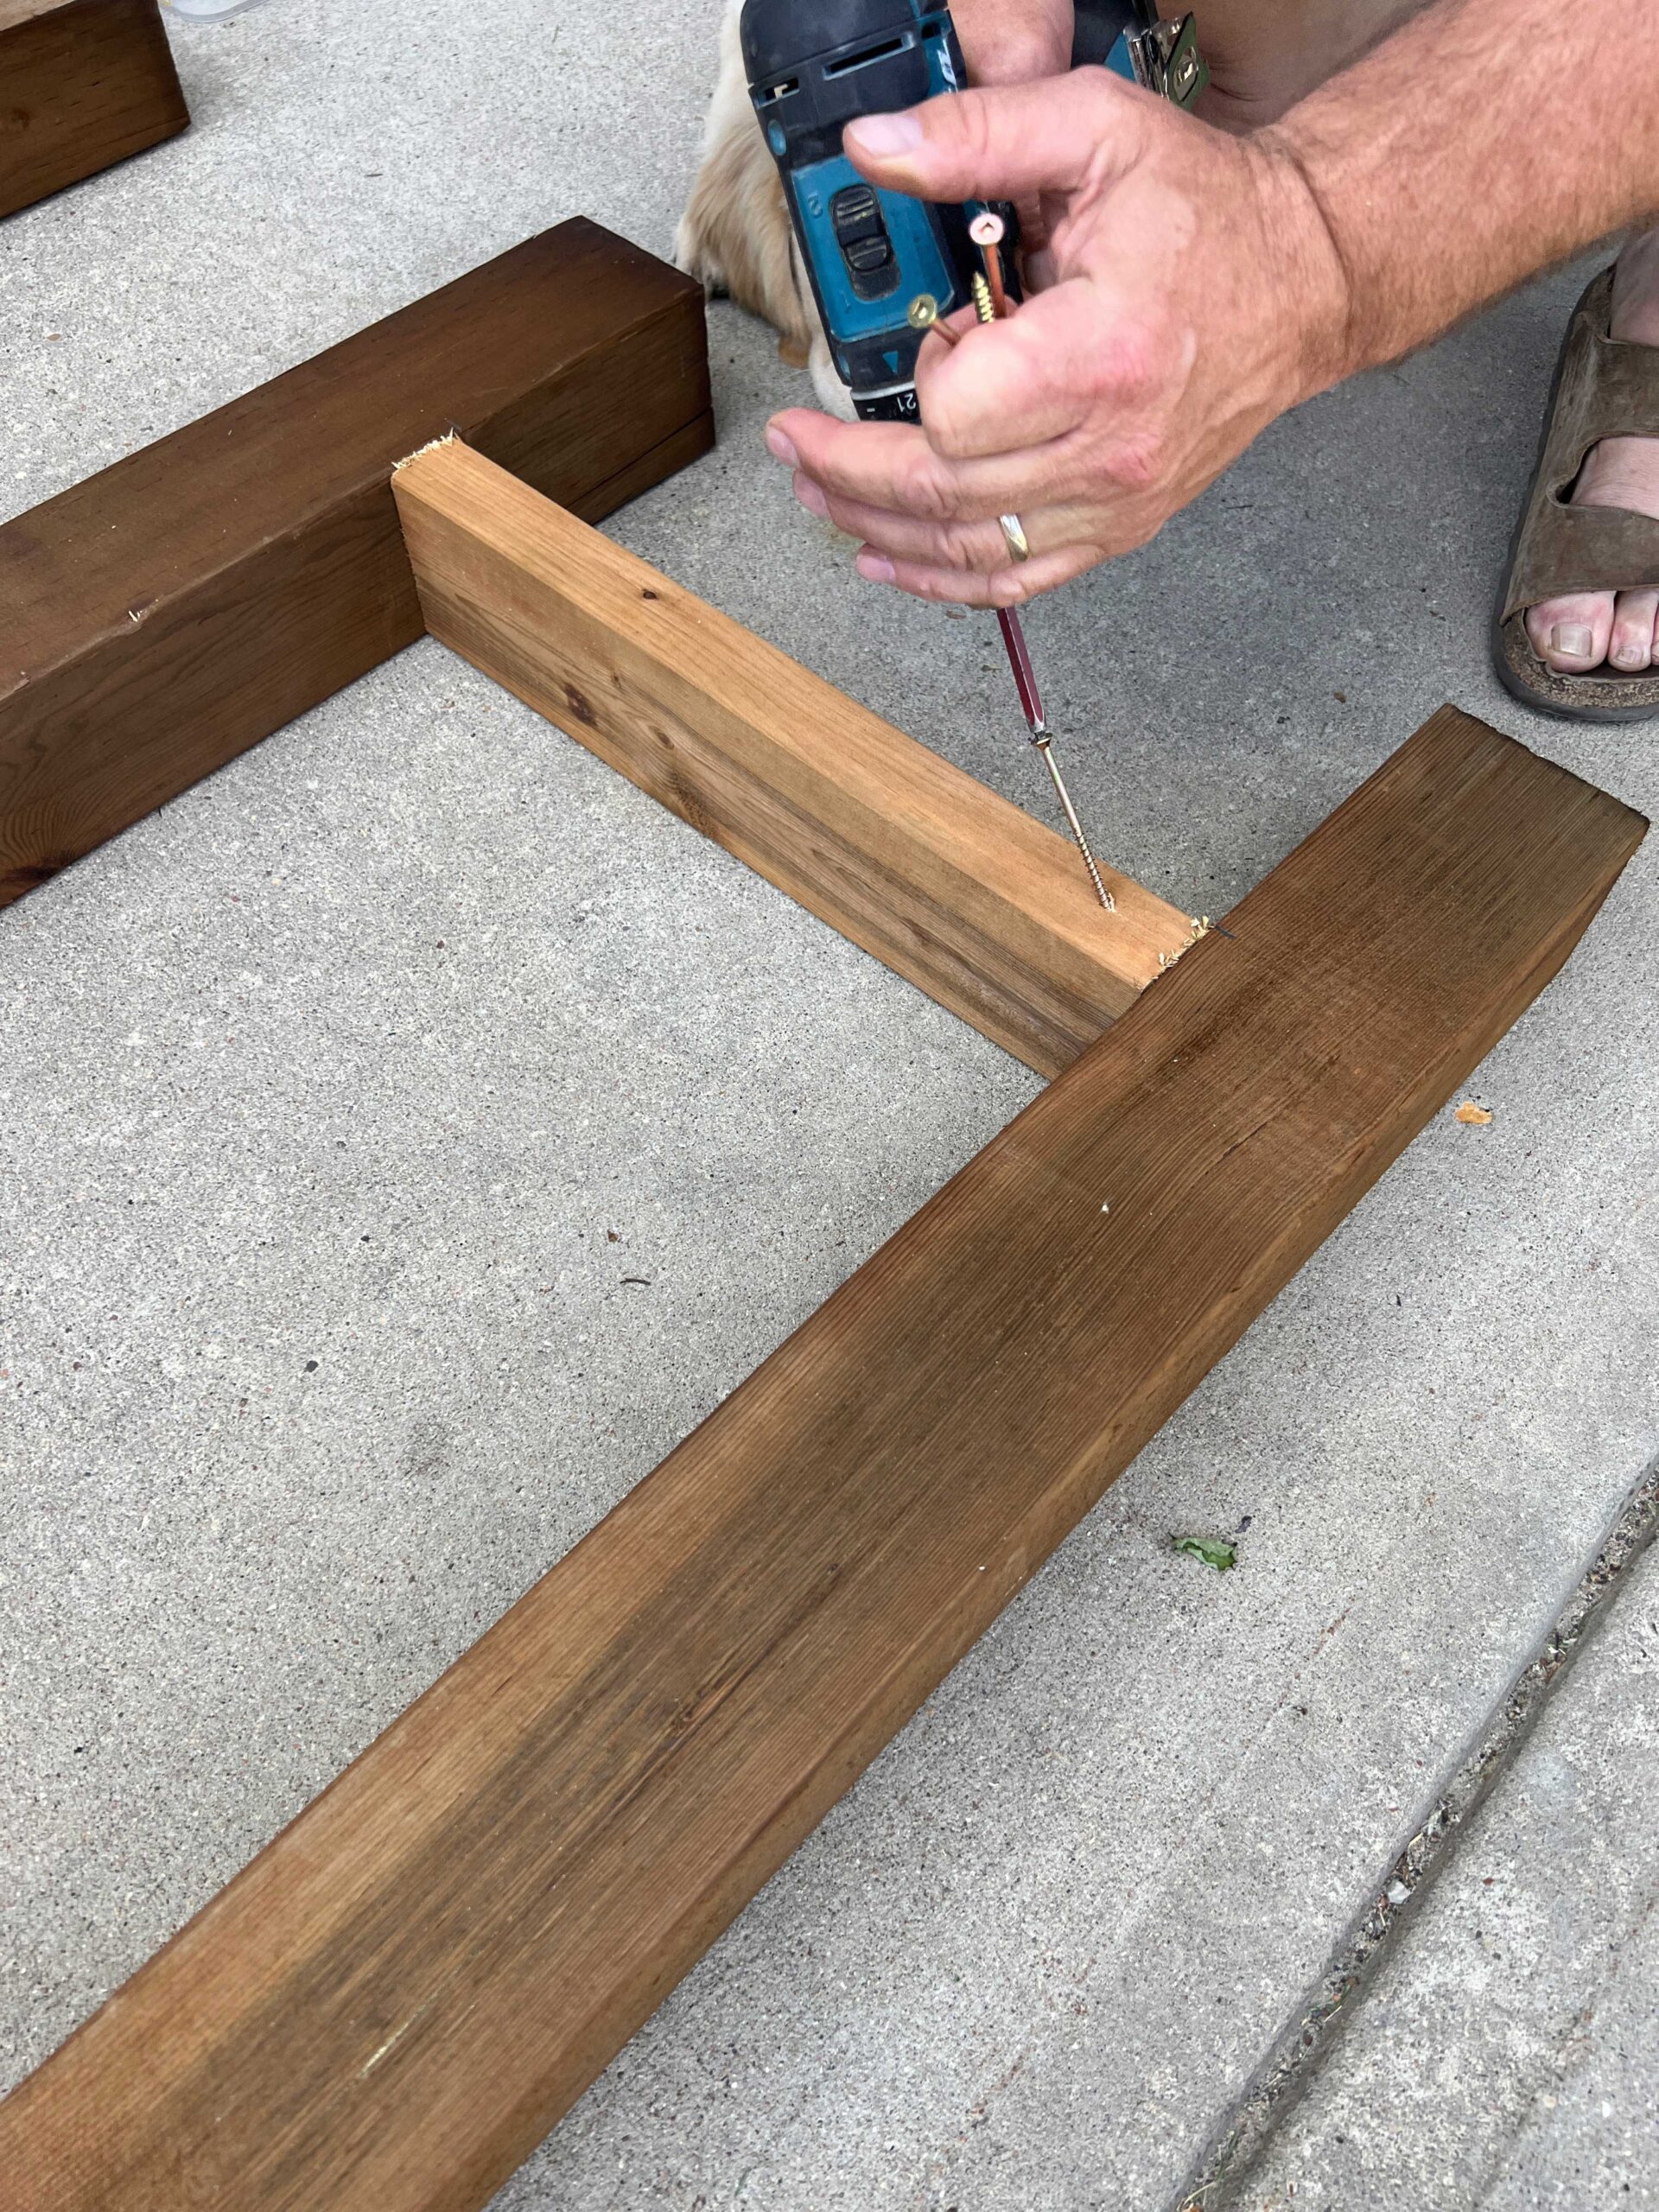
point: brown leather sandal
(1604, 388)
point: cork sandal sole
(1604, 388)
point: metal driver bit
(1024, 682)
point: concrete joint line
(1294, 2058)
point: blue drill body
(813, 67)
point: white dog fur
(736, 235)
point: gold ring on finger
(1014, 537)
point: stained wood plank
(388, 2009)
(172, 611)
(83, 84)
(944, 880)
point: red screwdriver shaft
(991, 303)
(1025, 676)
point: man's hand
(1194, 294)
(1006, 44)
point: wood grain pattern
(965, 894)
(82, 83)
(388, 2009)
(172, 611)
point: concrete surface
(1507, 2053)
(360, 1053)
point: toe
(1630, 645)
(1571, 635)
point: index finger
(1030, 379)
(893, 465)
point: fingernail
(810, 496)
(1576, 640)
(782, 449)
(874, 569)
(886, 134)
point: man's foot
(1580, 631)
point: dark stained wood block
(387, 2010)
(82, 83)
(164, 615)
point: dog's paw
(833, 396)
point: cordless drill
(813, 66)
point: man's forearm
(1483, 141)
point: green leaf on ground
(1214, 1551)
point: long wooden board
(922, 865)
(395, 2000)
(175, 609)
(82, 83)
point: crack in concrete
(1294, 2058)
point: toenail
(1576, 640)
(1630, 656)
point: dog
(736, 237)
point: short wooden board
(172, 611)
(389, 2008)
(83, 84)
(922, 865)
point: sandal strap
(1585, 549)
(1623, 402)
(1607, 388)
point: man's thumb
(1008, 142)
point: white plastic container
(209, 11)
